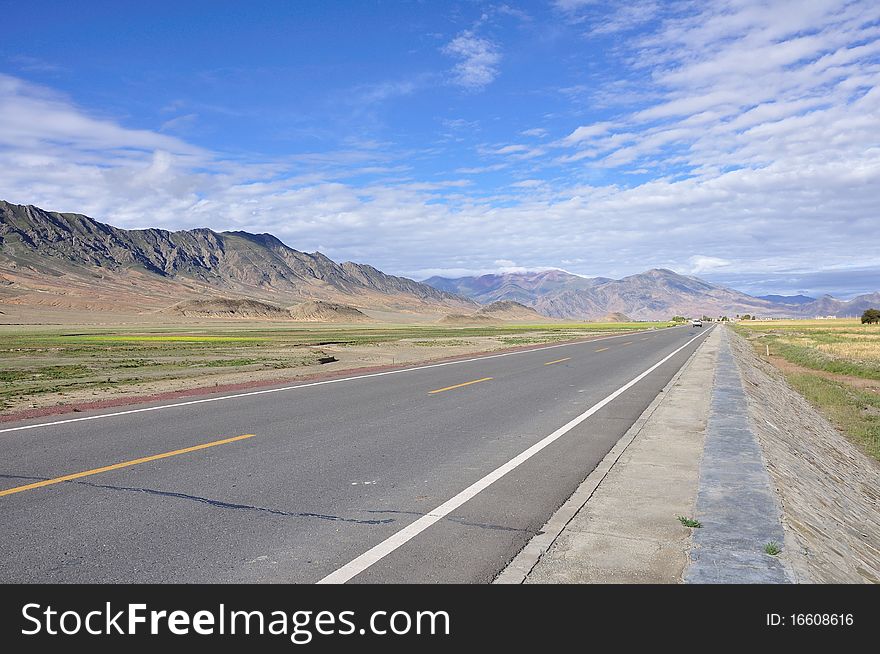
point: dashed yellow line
(117, 466)
(449, 388)
(550, 363)
(601, 349)
(628, 343)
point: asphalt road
(348, 480)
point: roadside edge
(523, 563)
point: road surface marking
(628, 343)
(550, 363)
(646, 338)
(449, 388)
(117, 466)
(383, 549)
(601, 349)
(282, 389)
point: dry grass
(853, 351)
(844, 347)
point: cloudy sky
(735, 140)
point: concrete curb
(736, 501)
(523, 563)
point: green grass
(855, 412)
(772, 548)
(46, 372)
(690, 522)
(169, 338)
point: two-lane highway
(438, 473)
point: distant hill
(524, 288)
(615, 317)
(318, 311)
(655, 294)
(510, 311)
(830, 306)
(221, 307)
(502, 311)
(69, 260)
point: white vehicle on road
(696, 322)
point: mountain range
(70, 261)
(653, 295)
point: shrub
(871, 316)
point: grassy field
(42, 360)
(844, 347)
(846, 351)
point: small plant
(689, 522)
(772, 548)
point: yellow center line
(647, 337)
(550, 363)
(628, 343)
(449, 388)
(117, 466)
(601, 349)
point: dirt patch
(828, 489)
(788, 367)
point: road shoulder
(621, 525)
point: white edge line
(383, 549)
(291, 388)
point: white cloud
(478, 60)
(701, 264)
(476, 170)
(733, 84)
(571, 5)
(586, 132)
(529, 183)
(31, 115)
(513, 148)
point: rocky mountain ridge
(148, 267)
(655, 294)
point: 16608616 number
(810, 620)
(821, 619)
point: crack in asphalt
(461, 521)
(216, 503)
(247, 507)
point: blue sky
(735, 140)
